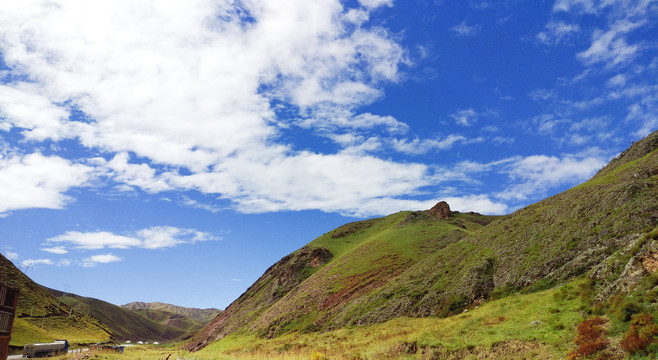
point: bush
(591, 339)
(626, 311)
(641, 333)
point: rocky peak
(441, 210)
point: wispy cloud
(59, 250)
(28, 263)
(610, 47)
(11, 255)
(465, 117)
(463, 29)
(418, 146)
(556, 32)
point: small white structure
(140, 342)
(127, 341)
(156, 343)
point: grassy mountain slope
(41, 317)
(305, 289)
(200, 316)
(536, 247)
(542, 325)
(412, 264)
(122, 323)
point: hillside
(305, 289)
(416, 264)
(125, 324)
(199, 316)
(41, 317)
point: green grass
(539, 325)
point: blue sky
(172, 151)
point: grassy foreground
(539, 325)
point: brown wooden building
(8, 301)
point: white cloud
(610, 47)
(332, 183)
(160, 237)
(617, 80)
(28, 263)
(330, 118)
(417, 146)
(529, 177)
(139, 175)
(11, 255)
(534, 175)
(96, 240)
(463, 29)
(157, 237)
(584, 6)
(60, 250)
(197, 205)
(38, 181)
(556, 32)
(99, 259)
(465, 117)
(63, 262)
(645, 113)
(375, 3)
(195, 88)
(23, 107)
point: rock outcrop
(441, 210)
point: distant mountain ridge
(125, 324)
(44, 314)
(202, 316)
(414, 264)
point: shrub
(641, 333)
(626, 311)
(591, 338)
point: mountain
(306, 289)
(199, 316)
(45, 314)
(41, 317)
(124, 324)
(437, 262)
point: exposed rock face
(441, 210)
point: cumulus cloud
(157, 237)
(38, 181)
(23, 107)
(189, 95)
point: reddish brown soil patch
(386, 268)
